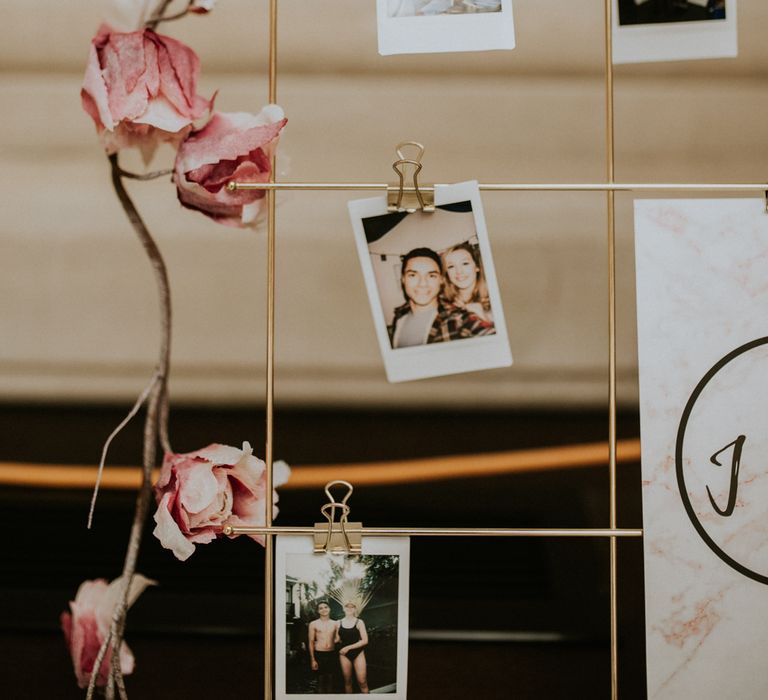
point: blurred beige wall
(78, 314)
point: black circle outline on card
(761, 578)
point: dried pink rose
(87, 624)
(140, 88)
(198, 492)
(231, 146)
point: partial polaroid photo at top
(431, 285)
(438, 26)
(341, 620)
(673, 30)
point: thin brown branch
(164, 294)
(154, 175)
(97, 665)
(160, 15)
(155, 424)
(116, 677)
(120, 683)
(134, 410)
(164, 411)
(109, 692)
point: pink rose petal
(197, 485)
(86, 625)
(168, 532)
(140, 89)
(235, 146)
(200, 492)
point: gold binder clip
(411, 201)
(334, 537)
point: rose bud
(199, 492)
(231, 146)
(140, 88)
(87, 624)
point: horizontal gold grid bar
(446, 531)
(514, 186)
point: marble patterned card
(702, 307)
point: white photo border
(481, 31)
(304, 544)
(435, 359)
(675, 41)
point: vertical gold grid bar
(611, 200)
(269, 564)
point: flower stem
(145, 176)
(160, 17)
(155, 427)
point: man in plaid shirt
(425, 317)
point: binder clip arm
(334, 537)
(414, 199)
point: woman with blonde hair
(465, 284)
(353, 638)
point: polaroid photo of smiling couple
(432, 285)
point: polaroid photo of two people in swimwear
(432, 285)
(673, 30)
(439, 26)
(341, 620)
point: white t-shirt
(413, 328)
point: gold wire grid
(444, 531)
(610, 187)
(269, 543)
(517, 187)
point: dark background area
(199, 633)
(655, 11)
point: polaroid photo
(436, 26)
(432, 285)
(673, 30)
(341, 620)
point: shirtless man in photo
(323, 656)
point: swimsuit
(326, 661)
(350, 635)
